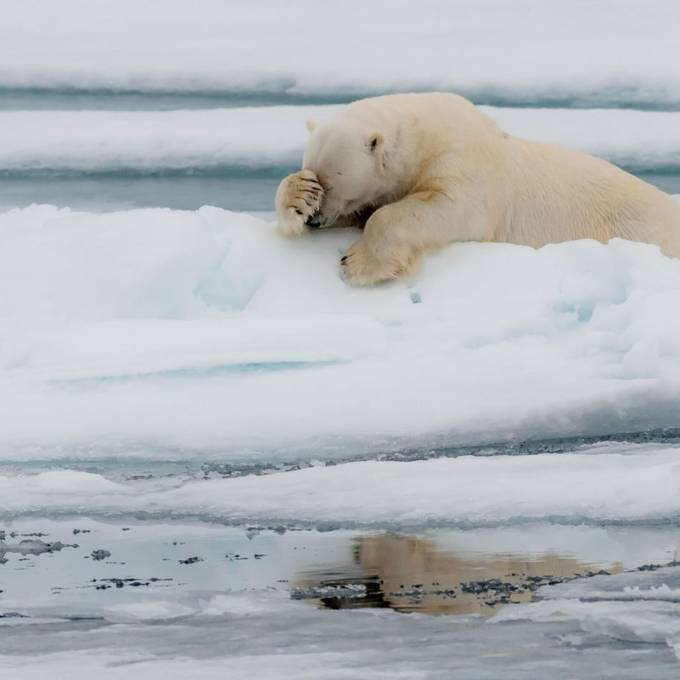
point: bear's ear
(310, 125)
(375, 141)
(376, 147)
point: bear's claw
(298, 199)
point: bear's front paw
(361, 267)
(366, 263)
(298, 198)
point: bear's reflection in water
(414, 574)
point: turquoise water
(230, 187)
(250, 191)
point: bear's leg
(396, 236)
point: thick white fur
(420, 171)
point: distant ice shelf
(270, 140)
(624, 56)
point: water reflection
(414, 574)
(81, 566)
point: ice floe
(169, 330)
(242, 141)
(630, 486)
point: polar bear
(420, 171)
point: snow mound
(175, 331)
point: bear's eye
(338, 173)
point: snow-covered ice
(591, 485)
(273, 137)
(101, 141)
(639, 605)
(152, 360)
(144, 329)
(609, 52)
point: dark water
(18, 99)
(285, 93)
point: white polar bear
(420, 171)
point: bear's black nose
(313, 223)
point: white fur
(420, 171)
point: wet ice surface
(178, 598)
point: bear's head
(350, 164)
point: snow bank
(174, 331)
(579, 487)
(640, 141)
(624, 53)
(147, 141)
(246, 139)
